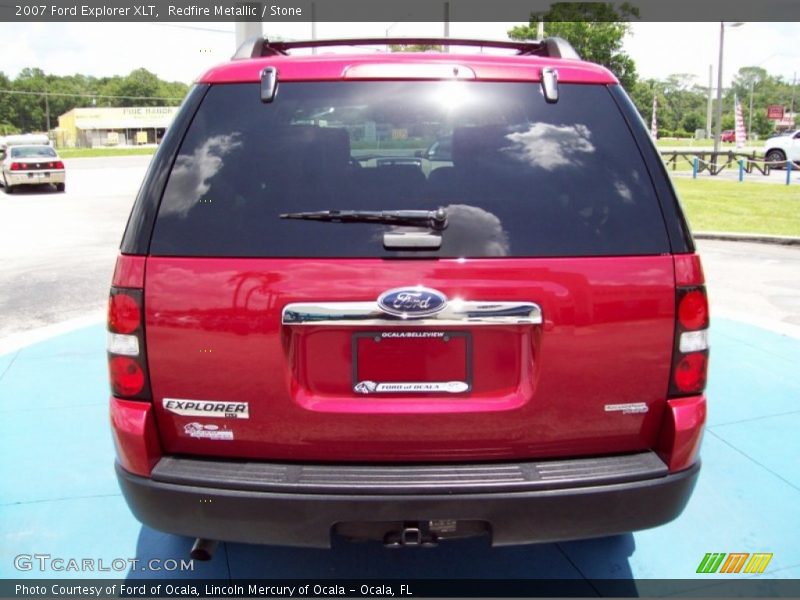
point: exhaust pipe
(203, 550)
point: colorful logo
(735, 562)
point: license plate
(412, 362)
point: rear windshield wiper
(435, 219)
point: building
(103, 126)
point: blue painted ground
(59, 495)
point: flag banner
(741, 134)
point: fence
(716, 162)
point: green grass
(710, 205)
(94, 152)
(681, 165)
(735, 207)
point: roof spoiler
(552, 47)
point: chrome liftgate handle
(457, 312)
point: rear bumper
(288, 513)
(35, 177)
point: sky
(183, 52)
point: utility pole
(710, 100)
(750, 113)
(447, 24)
(47, 110)
(794, 86)
(245, 30)
(313, 25)
(718, 124)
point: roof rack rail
(553, 47)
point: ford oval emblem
(412, 302)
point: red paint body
(135, 435)
(214, 333)
(682, 432)
(335, 66)
(688, 270)
(129, 271)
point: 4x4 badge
(412, 302)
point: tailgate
(283, 359)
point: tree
(748, 76)
(595, 30)
(7, 108)
(761, 124)
(766, 89)
(415, 47)
(140, 84)
(684, 103)
(26, 100)
(30, 107)
(692, 122)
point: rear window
(515, 175)
(32, 152)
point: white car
(781, 148)
(33, 164)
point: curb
(22, 339)
(782, 240)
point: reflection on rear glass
(33, 152)
(518, 176)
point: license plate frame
(363, 385)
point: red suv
(314, 329)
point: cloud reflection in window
(551, 146)
(190, 176)
(471, 231)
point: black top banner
(197, 11)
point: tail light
(15, 166)
(127, 363)
(690, 353)
(58, 165)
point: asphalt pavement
(59, 250)
(59, 495)
(754, 283)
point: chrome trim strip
(457, 312)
